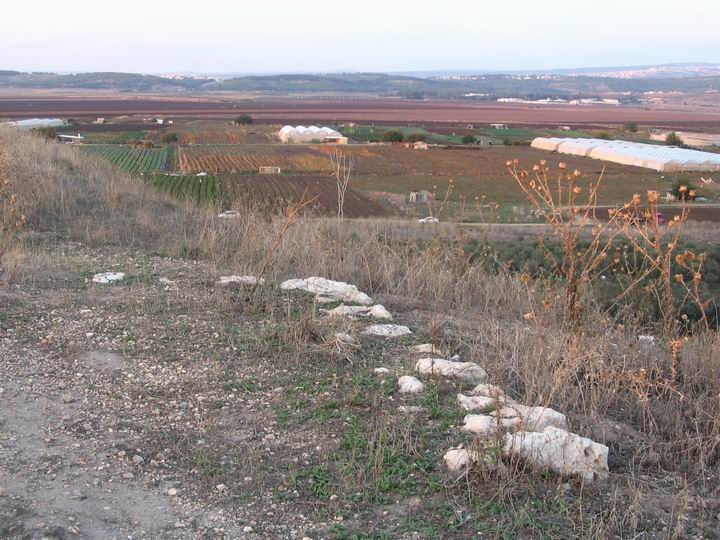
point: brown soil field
(249, 158)
(278, 190)
(359, 110)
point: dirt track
(378, 110)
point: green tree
(393, 136)
(170, 137)
(469, 139)
(244, 120)
(673, 139)
(415, 137)
(604, 136)
(631, 127)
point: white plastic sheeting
(648, 156)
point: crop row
(134, 160)
(195, 188)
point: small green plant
(244, 120)
(469, 139)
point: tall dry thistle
(571, 212)
(342, 166)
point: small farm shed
(498, 126)
(419, 196)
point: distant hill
(448, 85)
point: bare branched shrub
(342, 166)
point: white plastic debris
(240, 280)
(387, 330)
(410, 385)
(464, 371)
(457, 460)
(377, 311)
(425, 348)
(565, 453)
(229, 214)
(328, 290)
(108, 277)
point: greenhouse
(302, 134)
(649, 156)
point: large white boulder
(464, 371)
(327, 290)
(387, 330)
(377, 311)
(410, 385)
(565, 453)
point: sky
(264, 36)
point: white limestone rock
(381, 371)
(224, 281)
(327, 290)
(377, 311)
(464, 371)
(387, 330)
(476, 403)
(482, 425)
(425, 348)
(108, 277)
(457, 460)
(346, 339)
(527, 418)
(410, 385)
(565, 453)
(488, 390)
(411, 409)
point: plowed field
(249, 158)
(278, 190)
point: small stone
(128, 476)
(381, 371)
(137, 460)
(172, 492)
(221, 487)
(333, 497)
(247, 529)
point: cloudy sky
(156, 36)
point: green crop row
(199, 189)
(133, 160)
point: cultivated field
(276, 191)
(249, 158)
(141, 160)
(195, 188)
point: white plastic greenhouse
(649, 156)
(302, 134)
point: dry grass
(609, 384)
